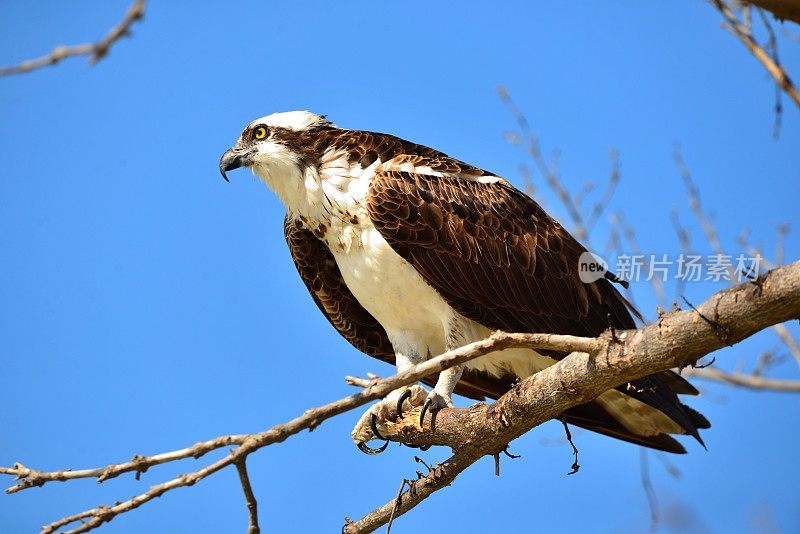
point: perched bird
(410, 253)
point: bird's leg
(391, 407)
(442, 394)
(457, 331)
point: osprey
(410, 253)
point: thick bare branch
(678, 338)
(95, 51)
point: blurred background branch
(96, 51)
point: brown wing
(497, 258)
(493, 253)
(321, 275)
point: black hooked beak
(233, 158)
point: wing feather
(497, 258)
(493, 254)
(321, 275)
(324, 281)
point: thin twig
(686, 249)
(693, 195)
(780, 241)
(735, 27)
(671, 469)
(249, 496)
(706, 224)
(788, 340)
(575, 465)
(550, 175)
(743, 241)
(583, 192)
(358, 381)
(748, 381)
(376, 388)
(29, 478)
(95, 51)
(633, 244)
(649, 490)
(772, 47)
(611, 187)
(397, 501)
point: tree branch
(550, 175)
(29, 478)
(249, 443)
(679, 338)
(249, 496)
(712, 236)
(744, 34)
(96, 51)
(595, 365)
(744, 380)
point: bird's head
(275, 146)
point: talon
(366, 449)
(373, 423)
(406, 395)
(424, 409)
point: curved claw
(406, 395)
(424, 409)
(373, 424)
(366, 449)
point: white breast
(393, 291)
(411, 311)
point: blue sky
(147, 304)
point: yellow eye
(260, 132)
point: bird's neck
(330, 194)
(298, 186)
